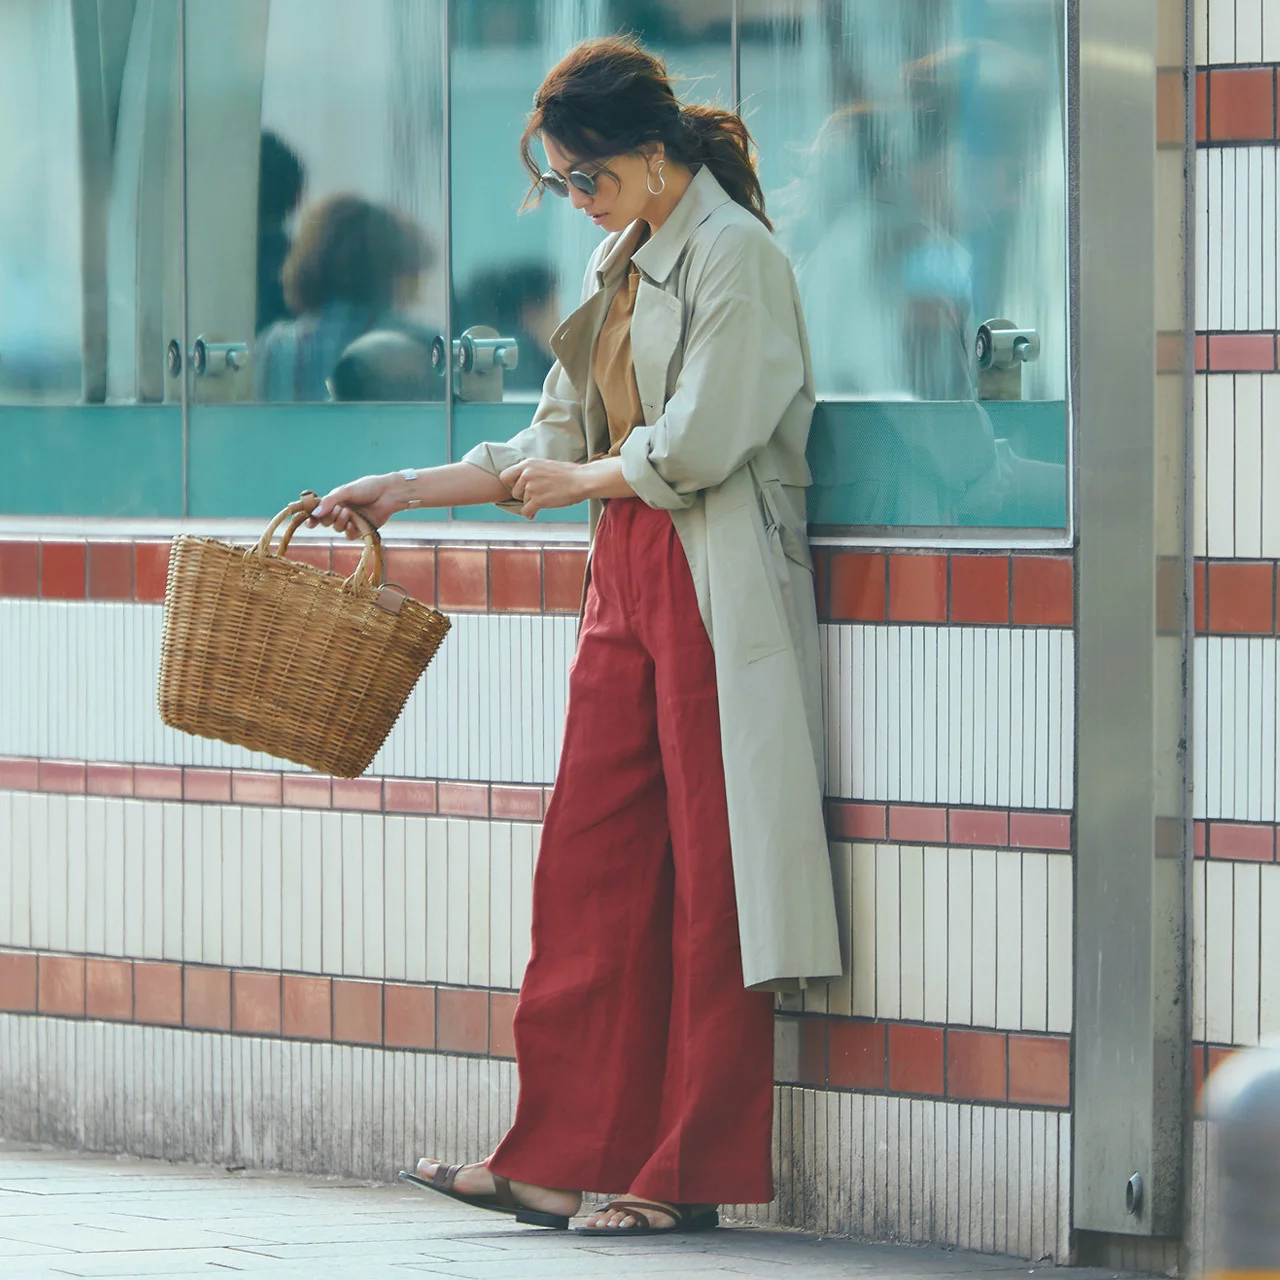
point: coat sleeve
(742, 367)
(557, 430)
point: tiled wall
(224, 903)
(1236, 879)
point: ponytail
(721, 141)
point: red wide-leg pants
(645, 1066)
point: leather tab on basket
(391, 599)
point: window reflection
(40, 245)
(522, 275)
(914, 160)
(326, 269)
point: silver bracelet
(410, 474)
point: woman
(352, 267)
(683, 872)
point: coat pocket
(739, 558)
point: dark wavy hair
(350, 250)
(610, 97)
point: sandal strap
(503, 1193)
(444, 1176)
(640, 1210)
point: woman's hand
(542, 484)
(377, 498)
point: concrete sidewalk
(79, 1215)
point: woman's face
(617, 202)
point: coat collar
(658, 255)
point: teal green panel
(1000, 465)
(475, 424)
(250, 460)
(91, 460)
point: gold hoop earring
(648, 180)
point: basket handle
(371, 570)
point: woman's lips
(597, 217)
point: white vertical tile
(1011, 752)
(252, 895)
(395, 903)
(38, 836)
(935, 934)
(416, 926)
(959, 936)
(1248, 31)
(92, 892)
(1245, 283)
(1269, 951)
(123, 893)
(888, 933)
(985, 925)
(331, 891)
(350, 829)
(863, 915)
(145, 933)
(1270, 479)
(1270, 32)
(1009, 907)
(58, 903)
(1265, 206)
(315, 857)
(1215, 186)
(1203, 218)
(209, 939)
(1248, 459)
(1035, 942)
(375, 964)
(1060, 950)
(457, 861)
(1198, 956)
(499, 924)
(1220, 471)
(437, 900)
(1219, 903)
(1246, 948)
(911, 927)
(478, 904)
(1201, 32)
(234, 889)
(1199, 454)
(174, 872)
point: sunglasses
(584, 182)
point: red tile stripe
(1027, 589)
(508, 802)
(1236, 841)
(962, 588)
(910, 1059)
(916, 1059)
(1236, 597)
(1236, 105)
(1253, 352)
(539, 579)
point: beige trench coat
(722, 368)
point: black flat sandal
(502, 1201)
(684, 1221)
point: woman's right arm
(459, 484)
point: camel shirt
(612, 367)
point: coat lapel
(656, 329)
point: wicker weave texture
(282, 657)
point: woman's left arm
(742, 368)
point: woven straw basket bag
(282, 657)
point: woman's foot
(476, 1180)
(660, 1216)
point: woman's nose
(577, 198)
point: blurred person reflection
(281, 179)
(354, 267)
(520, 301)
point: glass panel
(40, 313)
(914, 160)
(522, 274)
(89, 201)
(315, 200)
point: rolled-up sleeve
(742, 367)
